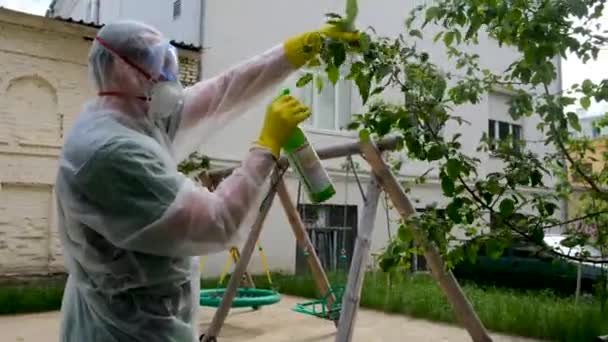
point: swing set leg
(231, 290)
(299, 231)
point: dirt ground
(276, 323)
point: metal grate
(331, 233)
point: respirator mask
(165, 93)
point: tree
(541, 31)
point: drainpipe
(201, 33)
(96, 4)
(564, 202)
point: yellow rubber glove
(282, 117)
(302, 48)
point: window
(331, 108)
(596, 132)
(177, 9)
(505, 130)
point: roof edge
(178, 44)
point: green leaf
(494, 249)
(364, 135)
(573, 119)
(453, 210)
(458, 36)
(447, 185)
(448, 38)
(387, 263)
(405, 234)
(507, 206)
(319, 84)
(376, 91)
(413, 145)
(537, 235)
(453, 167)
(578, 7)
(536, 178)
(364, 42)
(550, 208)
(587, 87)
(315, 62)
(432, 13)
(493, 186)
(438, 36)
(416, 33)
(333, 74)
(363, 82)
(338, 53)
(352, 126)
(488, 197)
(435, 153)
(472, 251)
(470, 217)
(304, 80)
(383, 127)
(586, 102)
(439, 89)
(333, 15)
(382, 71)
(352, 9)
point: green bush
(16, 299)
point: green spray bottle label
(307, 164)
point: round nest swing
(245, 297)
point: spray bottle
(305, 161)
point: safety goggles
(164, 52)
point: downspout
(564, 201)
(201, 33)
(96, 7)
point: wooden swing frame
(382, 179)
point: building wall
(43, 84)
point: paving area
(276, 323)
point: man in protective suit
(130, 223)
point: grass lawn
(534, 314)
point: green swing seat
(320, 308)
(245, 297)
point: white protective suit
(130, 223)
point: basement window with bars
(332, 229)
(177, 9)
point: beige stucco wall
(43, 84)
